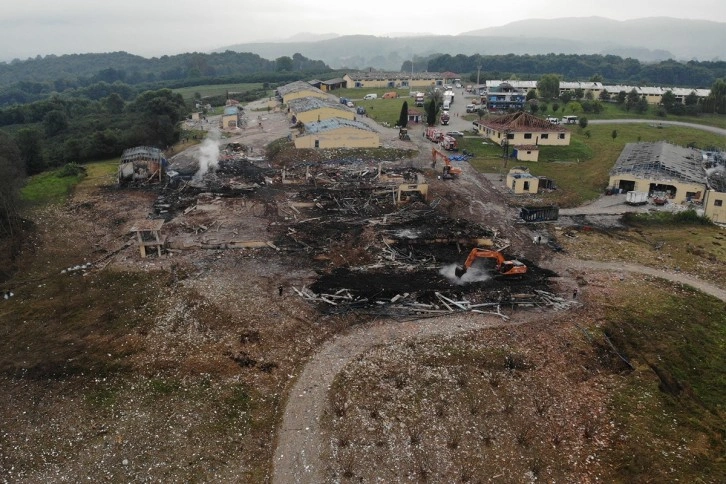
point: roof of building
(305, 104)
(520, 122)
(527, 147)
(141, 153)
(231, 111)
(337, 80)
(384, 76)
(660, 160)
(297, 86)
(335, 123)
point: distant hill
(647, 39)
(685, 39)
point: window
(527, 135)
(717, 203)
(561, 136)
(545, 136)
(317, 143)
(510, 135)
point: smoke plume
(208, 155)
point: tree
(481, 112)
(114, 103)
(596, 78)
(583, 122)
(579, 93)
(531, 94)
(614, 134)
(548, 86)
(12, 174)
(555, 107)
(283, 64)
(667, 100)
(54, 122)
(533, 106)
(566, 96)
(28, 141)
(604, 95)
(622, 96)
(642, 106)
(632, 99)
(431, 112)
(403, 117)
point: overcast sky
(157, 27)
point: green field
(207, 90)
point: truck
(446, 105)
(433, 134)
(449, 143)
(449, 96)
(370, 96)
(445, 118)
(636, 198)
(419, 98)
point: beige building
(660, 168)
(230, 118)
(337, 133)
(714, 206)
(394, 80)
(299, 89)
(313, 109)
(520, 181)
(524, 133)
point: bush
(72, 169)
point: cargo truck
(636, 198)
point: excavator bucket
(459, 271)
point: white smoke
(208, 155)
(476, 273)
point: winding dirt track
(297, 457)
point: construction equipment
(449, 171)
(403, 134)
(504, 267)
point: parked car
(360, 110)
(370, 96)
(350, 104)
(470, 108)
(455, 134)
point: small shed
(526, 152)
(521, 181)
(414, 115)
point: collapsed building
(142, 164)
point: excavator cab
(403, 134)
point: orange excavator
(449, 170)
(504, 267)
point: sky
(152, 28)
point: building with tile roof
(297, 90)
(524, 130)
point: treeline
(571, 67)
(35, 79)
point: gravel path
(297, 458)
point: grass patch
(50, 187)
(54, 186)
(672, 407)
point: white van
(446, 105)
(368, 97)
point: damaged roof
(305, 104)
(381, 76)
(335, 123)
(297, 86)
(660, 160)
(519, 122)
